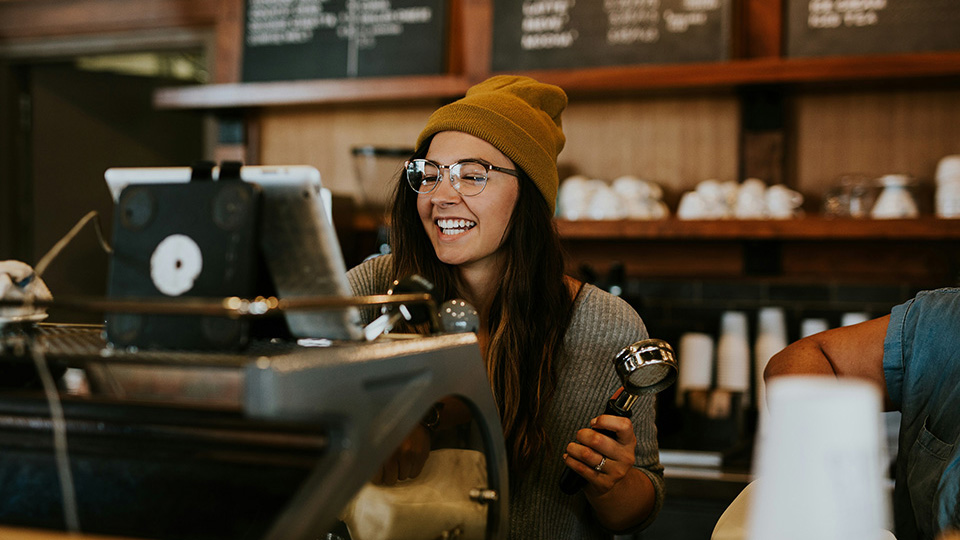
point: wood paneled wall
(324, 136)
(873, 131)
(676, 142)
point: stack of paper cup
(819, 467)
(771, 339)
(809, 327)
(696, 363)
(854, 317)
(733, 353)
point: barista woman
(473, 215)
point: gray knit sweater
(602, 324)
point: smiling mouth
(455, 226)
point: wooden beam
(762, 28)
(34, 19)
(228, 63)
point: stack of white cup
(771, 339)
(820, 465)
(854, 317)
(696, 363)
(948, 187)
(733, 353)
(809, 327)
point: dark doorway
(81, 123)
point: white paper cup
(771, 339)
(696, 362)
(854, 317)
(819, 466)
(809, 327)
(733, 353)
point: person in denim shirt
(913, 355)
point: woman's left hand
(603, 461)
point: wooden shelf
(268, 94)
(755, 71)
(809, 250)
(809, 228)
(592, 80)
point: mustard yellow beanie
(519, 116)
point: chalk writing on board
(851, 27)
(568, 33)
(355, 26)
(832, 14)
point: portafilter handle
(645, 367)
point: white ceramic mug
(895, 201)
(948, 167)
(691, 206)
(782, 202)
(751, 199)
(948, 197)
(574, 197)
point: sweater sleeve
(370, 277)
(602, 326)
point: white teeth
(455, 224)
(452, 227)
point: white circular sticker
(175, 264)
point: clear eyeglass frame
(469, 176)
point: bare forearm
(627, 504)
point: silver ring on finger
(599, 467)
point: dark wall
(83, 123)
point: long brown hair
(528, 317)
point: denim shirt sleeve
(922, 337)
(893, 370)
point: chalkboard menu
(835, 27)
(318, 39)
(545, 34)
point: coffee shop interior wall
(676, 138)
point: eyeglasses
(468, 177)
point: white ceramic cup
(895, 201)
(751, 199)
(948, 167)
(574, 197)
(605, 203)
(691, 206)
(948, 197)
(820, 464)
(782, 202)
